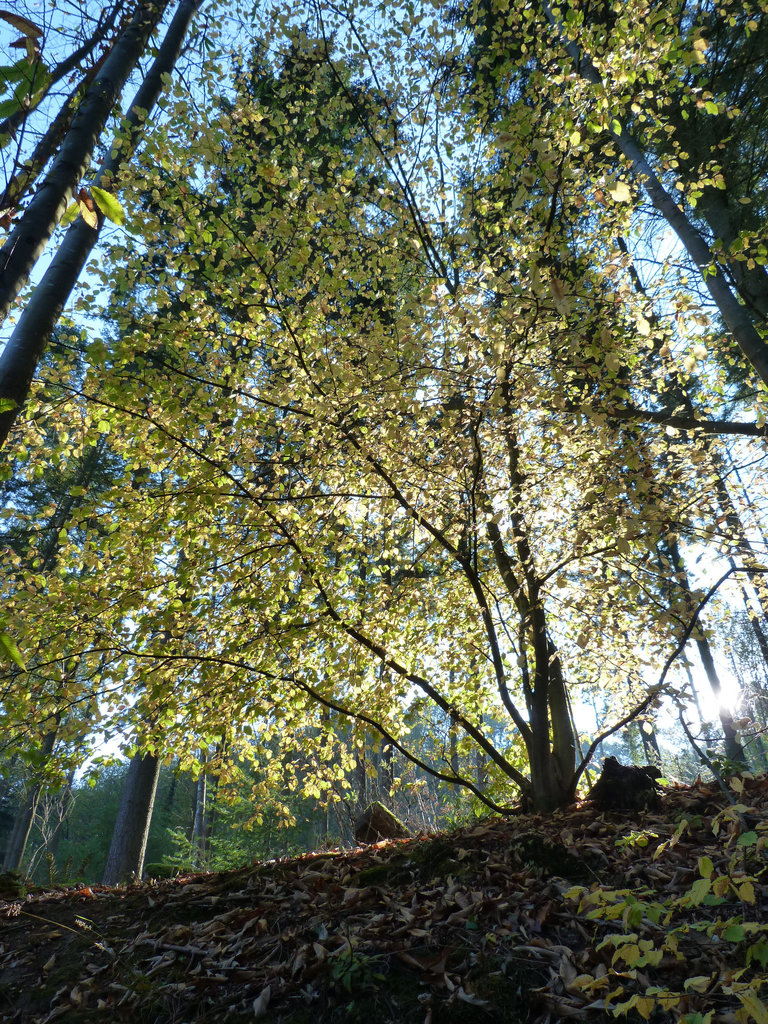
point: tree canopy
(420, 379)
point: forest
(383, 409)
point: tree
(34, 81)
(125, 859)
(468, 422)
(27, 241)
(388, 383)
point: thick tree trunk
(751, 282)
(31, 334)
(10, 126)
(129, 839)
(33, 231)
(564, 745)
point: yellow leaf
(706, 867)
(620, 192)
(698, 984)
(747, 892)
(720, 885)
(751, 1001)
(645, 1006)
(575, 138)
(89, 216)
(630, 953)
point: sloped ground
(585, 915)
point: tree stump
(626, 787)
(377, 823)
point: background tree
(34, 229)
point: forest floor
(593, 915)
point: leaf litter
(584, 914)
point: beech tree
(382, 371)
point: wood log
(626, 787)
(377, 822)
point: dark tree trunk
(25, 816)
(22, 826)
(387, 772)
(129, 839)
(734, 751)
(30, 336)
(33, 231)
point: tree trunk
(647, 733)
(751, 282)
(129, 839)
(33, 231)
(564, 745)
(733, 748)
(387, 773)
(737, 318)
(10, 126)
(734, 751)
(25, 816)
(22, 826)
(453, 745)
(200, 824)
(66, 803)
(361, 774)
(31, 334)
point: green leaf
(8, 645)
(706, 867)
(18, 72)
(9, 107)
(70, 214)
(699, 890)
(108, 205)
(747, 839)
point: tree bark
(22, 826)
(31, 334)
(26, 243)
(129, 839)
